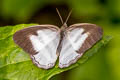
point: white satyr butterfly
(45, 43)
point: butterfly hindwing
(41, 43)
(67, 54)
(78, 38)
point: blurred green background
(105, 65)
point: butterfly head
(64, 26)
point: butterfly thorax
(62, 35)
(63, 30)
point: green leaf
(15, 64)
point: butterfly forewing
(78, 38)
(41, 43)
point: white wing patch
(76, 38)
(71, 43)
(45, 44)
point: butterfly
(46, 43)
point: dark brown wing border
(95, 34)
(21, 37)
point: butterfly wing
(41, 43)
(78, 38)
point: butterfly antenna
(59, 15)
(68, 16)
